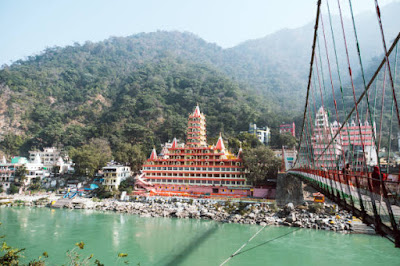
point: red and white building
(322, 136)
(288, 128)
(352, 142)
(347, 146)
(199, 168)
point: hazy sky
(28, 27)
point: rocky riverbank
(316, 216)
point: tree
(11, 144)
(127, 185)
(286, 139)
(91, 157)
(131, 155)
(261, 163)
(249, 140)
(13, 189)
(20, 173)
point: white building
(263, 134)
(48, 157)
(7, 173)
(35, 171)
(114, 174)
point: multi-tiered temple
(196, 167)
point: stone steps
(359, 227)
(61, 203)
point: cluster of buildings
(196, 167)
(41, 166)
(347, 146)
(45, 166)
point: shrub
(13, 189)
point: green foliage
(20, 173)
(11, 144)
(127, 185)
(132, 91)
(249, 140)
(129, 154)
(10, 255)
(34, 186)
(102, 193)
(278, 140)
(13, 189)
(91, 157)
(261, 163)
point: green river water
(166, 241)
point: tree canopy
(261, 163)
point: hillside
(130, 90)
(140, 88)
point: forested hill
(138, 89)
(141, 88)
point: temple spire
(197, 112)
(153, 155)
(220, 143)
(196, 133)
(174, 144)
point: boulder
(291, 217)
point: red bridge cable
(358, 122)
(378, 13)
(382, 107)
(331, 80)
(369, 83)
(311, 66)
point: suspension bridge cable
(391, 112)
(238, 252)
(382, 107)
(334, 99)
(356, 107)
(362, 71)
(378, 13)
(343, 103)
(369, 84)
(391, 215)
(311, 66)
(244, 244)
(268, 241)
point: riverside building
(199, 168)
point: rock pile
(316, 216)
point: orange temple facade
(198, 168)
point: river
(170, 241)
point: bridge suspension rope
(325, 147)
